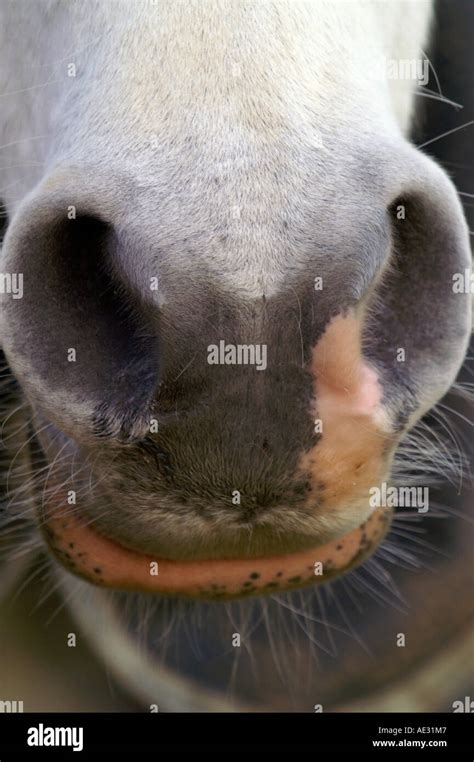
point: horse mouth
(103, 561)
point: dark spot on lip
(339, 547)
(97, 570)
(254, 575)
(247, 584)
(71, 544)
(280, 574)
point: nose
(108, 327)
(111, 338)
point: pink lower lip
(105, 562)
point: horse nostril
(79, 331)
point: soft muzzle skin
(103, 561)
(266, 209)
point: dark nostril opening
(416, 320)
(79, 326)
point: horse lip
(78, 545)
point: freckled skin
(212, 579)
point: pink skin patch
(343, 379)
(351, 455)
(105, 562)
